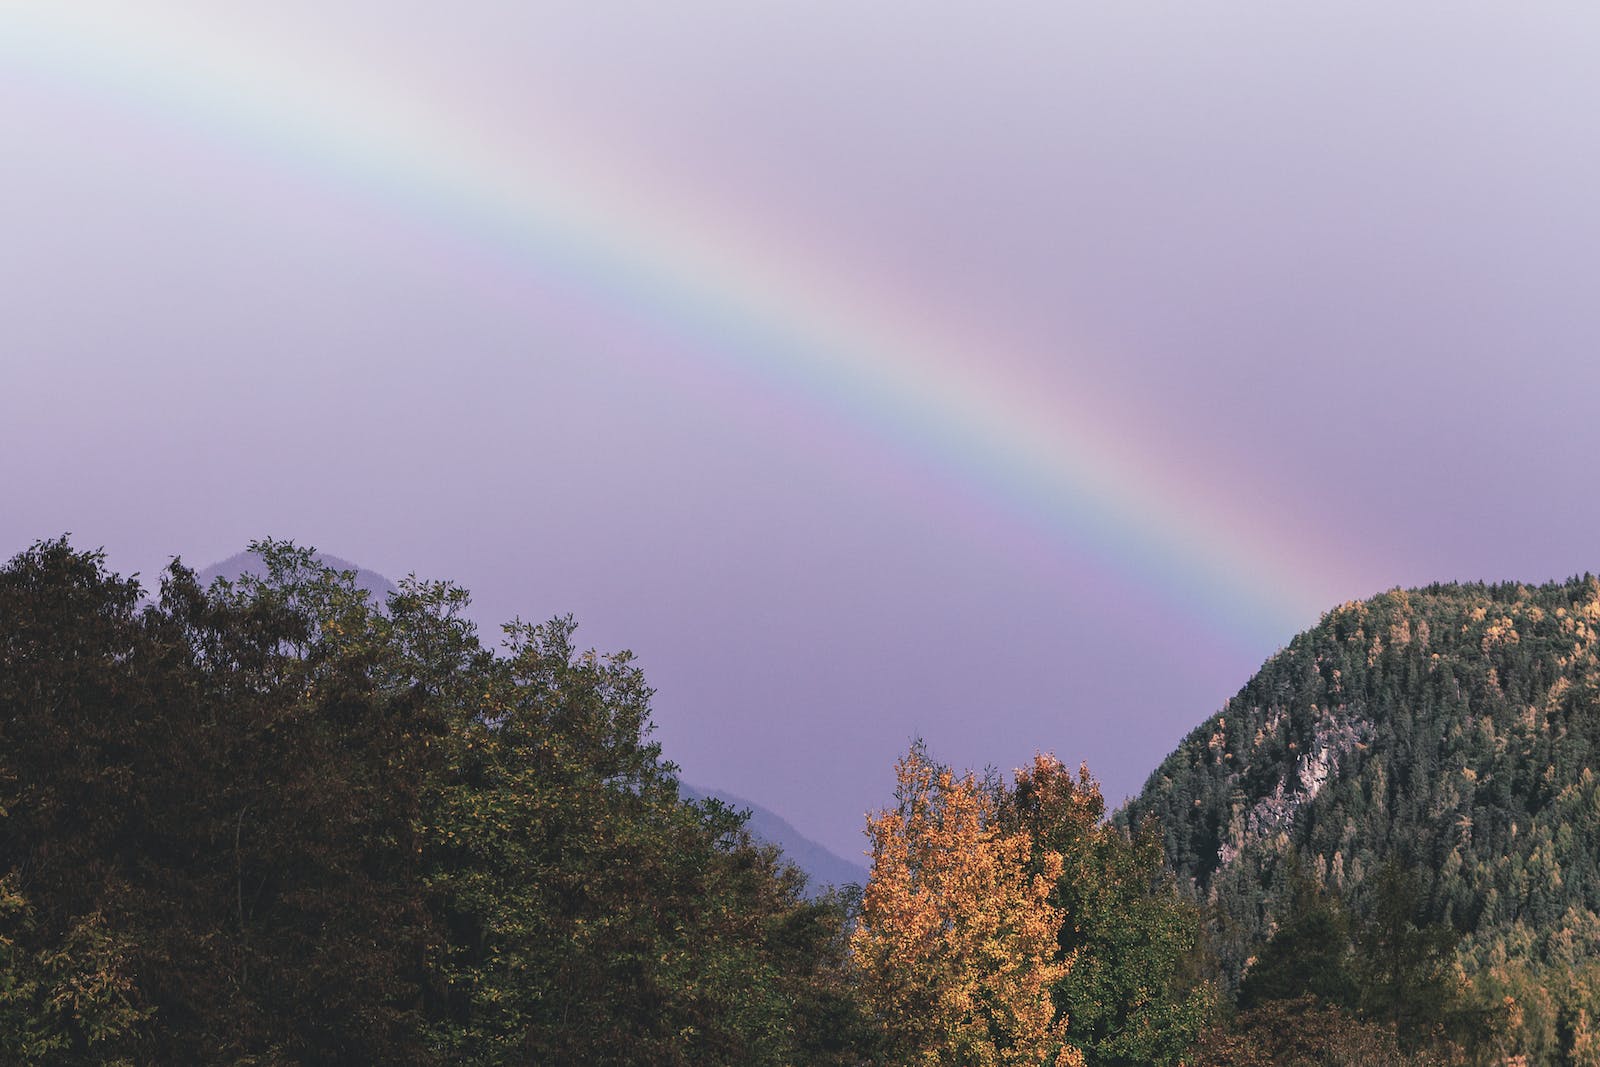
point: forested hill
(1452, 731)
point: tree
(593, 917)
(1309, 953)
(1406, 969)
(957, 938)
(1304, 1032)
(85, 736)
(1133, 995)
(68, 1003)
(275, 822)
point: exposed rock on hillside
(1455, 728)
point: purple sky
(1335, 272)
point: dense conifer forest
(1412, 777)
(280, 820)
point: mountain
(236, 565)
(1452, 730)
(822, 867)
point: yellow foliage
(957, 940)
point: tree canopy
(275, 821)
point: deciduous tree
(1133, 996)
(957, 938)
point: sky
(1016, 377)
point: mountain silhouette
(823, 867)
(250, 563)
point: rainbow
(565, 211)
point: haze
(1322, 280)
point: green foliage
(597, 919)
(1449, 732)
(1406, 971)
(1133, 994)
(65, 1004)
(1382, 967)
(274, 822)
(1308, 954)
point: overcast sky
(1253, 309)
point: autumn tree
(956, 937)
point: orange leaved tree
(957, 940)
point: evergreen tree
(1309, 953)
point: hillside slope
(823, 867)
(1454, 729)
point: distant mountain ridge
(1454, 729)
(250, 563)
(823, 867)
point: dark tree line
(276, 822)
